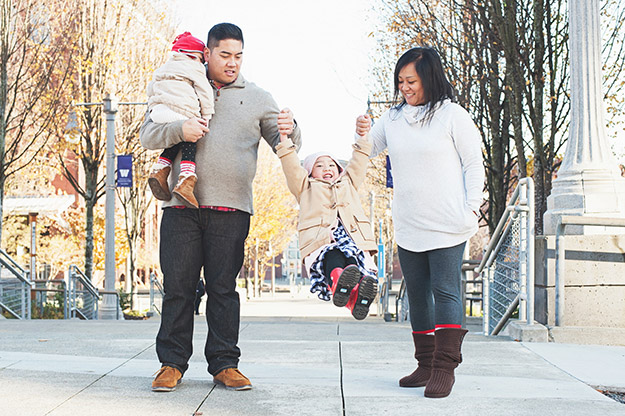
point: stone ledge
(587, 335)
(520, 331)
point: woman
(438, 178)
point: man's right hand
(194, 129)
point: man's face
(224, 61)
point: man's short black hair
(223, 31)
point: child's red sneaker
(343, 281)
(362, 297)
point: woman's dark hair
(223, 31)
(429, 67)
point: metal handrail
(85, 281)
(521, 202)
(562, 222)
(22, 276)
(9, 310)
(154, 283)
(76, 274)
(8, 258)
(18, 271)
(488, 258)
(159, 287)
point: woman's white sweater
(438, 174)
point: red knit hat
(187, 43)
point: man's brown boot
(447, 356)
(167, 378)
(232, 379)
(424, 352)
(158, 183)
(184, 189)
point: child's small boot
(362, 297)
(343, 281)
(158, 182)
(184, 189)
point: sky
(312, 56)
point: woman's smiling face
(410, 85)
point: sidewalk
(325, 363)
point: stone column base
(594, 294)
(521, 331)
(587, 335)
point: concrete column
(32, 220)
(108, 310)
(589, 180)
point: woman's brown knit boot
(447, 356)
(424, 351)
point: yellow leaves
(275, 210)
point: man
(212, 236)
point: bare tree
(492, 51)
(134, 70)
(472, 56)
(508, 60)
(111, 44)
(35, 49)
(613, 52)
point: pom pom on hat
(185, 42)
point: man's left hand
(285, 121)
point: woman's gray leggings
(433, 283)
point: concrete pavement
(304, 357)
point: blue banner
(389, 174)
(124, 171)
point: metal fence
(156, 295)
(507, 267)
(15, 288)
(82, 296)
(21, 297)
(49, 299)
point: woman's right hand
(363, 124)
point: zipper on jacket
(217, 90)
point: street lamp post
(109, 304)
(108, 310)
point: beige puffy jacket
(181, 84)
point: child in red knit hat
(179, 90)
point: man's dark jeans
(192, 239)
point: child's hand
(363, 124)
(194, 129)
(285, 122)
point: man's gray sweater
(226, 156)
